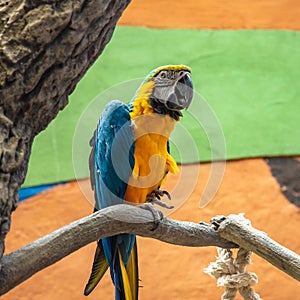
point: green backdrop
(247, 88)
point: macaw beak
(182, 94)
(177, 95)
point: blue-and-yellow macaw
(130, 160)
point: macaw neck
(145, 103)
(153, 124)
(140, 105)
(146, 120)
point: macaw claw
(160, 193)
(155, 196)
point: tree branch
(232, 229)
(25, 262)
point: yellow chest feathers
(152, 160)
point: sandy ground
(169, 271)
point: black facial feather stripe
(160, 108)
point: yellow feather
(172, 165)
(170, 67)
(152, 159)
(126, 283)
(100, 266)
(132, 271)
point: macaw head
(168, 90)
(173, 87)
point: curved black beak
(182, 93)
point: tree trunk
(46, 47)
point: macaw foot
(155, 196)
(157, 214)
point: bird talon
(167, 194)
(155, 197)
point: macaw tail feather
(126, 278)
(133, 272)
(100, 266)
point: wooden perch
(232, 229)
(25, 262)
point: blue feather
(111, 164)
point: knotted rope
(231, 272)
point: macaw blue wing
(111, 163)
(112, 156)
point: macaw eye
(181, 73)
(163, 74)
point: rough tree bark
(27, 261)
(46, 47)
(21, 264)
